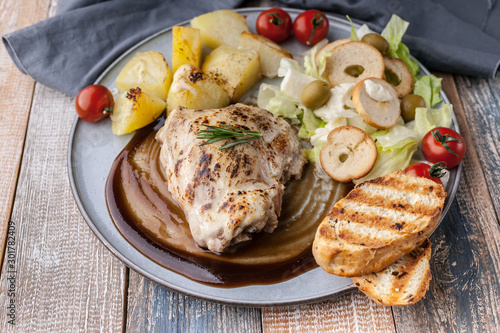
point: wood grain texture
(351, 312)
(17, 91)
(464, 294)
(481, 100)
(154, 308)
(66, 280)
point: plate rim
(132, 265)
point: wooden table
(64, 279)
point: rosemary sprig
(216, 133)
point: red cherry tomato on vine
(310, 27)
(94, 103)
(443, 144)
(433, 172)
(274, 24)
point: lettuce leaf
(429, 87)
(426, 119)
(309, 123)
(395, 137)
(280, 105)
(390, 159)
(393, 33)
(395, 148)
(316, 70)
(354, 34)
(403, 53)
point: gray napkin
(70, 50)
(457, 36)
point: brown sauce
(145, 214)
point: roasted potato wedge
(147, 70)
(220, 27)
(270, 53)
(135, 109)
(191, 88)
(236, 70)
(186, 47)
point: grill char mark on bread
(377, 223)
(403, 283)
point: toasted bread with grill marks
(377, 223)
(403, 283)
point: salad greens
(354, 34)
(429, 88)
(396, 145)
(393, 33)
(426, 118)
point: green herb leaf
(224, 132)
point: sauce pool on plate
(143, 211)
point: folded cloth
(460, 36)
(70, 50)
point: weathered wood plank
(481, 100)
(65, 279)
(464, 294)
(17, 91)
(154, 308)
(351, 312)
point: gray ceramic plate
(93, 148)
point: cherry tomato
(433, 172)
(443, 144)
(274, 24)
(94, 103)
(310, 27)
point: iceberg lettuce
(426, 119)
(309, 123)
(280, 105)
(429, 87)
(313, 68)
(391, 158)
(354, 34)
(393, 33)
(395, 147)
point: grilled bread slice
(402, 283)
(378, 222)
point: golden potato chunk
(194, 89)
(186, 47)
(235, 70)
(270, 53)
(220, 27)
(147, 70)
(135, 109)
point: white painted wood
(66, 280)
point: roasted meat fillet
(229, 194)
